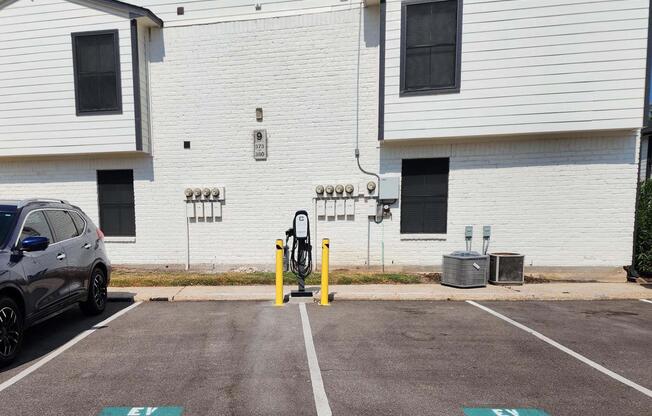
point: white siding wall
(37, 94)
(530, 66)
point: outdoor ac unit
(465, 269)
(506, 268)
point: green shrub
(644, 229)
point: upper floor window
(431, 46)
(96, 60)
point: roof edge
(133, 10)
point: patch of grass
(145, 278)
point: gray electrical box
(389, 188)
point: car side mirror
(35, 243)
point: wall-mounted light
(259, 114)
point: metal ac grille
(461, 272)
(506, 268)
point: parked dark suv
(52, 256)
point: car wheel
(11, 330)
(97, 294)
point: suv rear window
(6, 225)
(62, 225)
(79, 222)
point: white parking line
(568, 351)
(40, 363)
(646, 300)
(321, 401)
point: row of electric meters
(204, 203)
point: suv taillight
(100, 234)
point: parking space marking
(568, 351)
(646, 300)
(321, 401)
(40, 363)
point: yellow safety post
(279, 273)
(325, 247)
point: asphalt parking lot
(372, 358)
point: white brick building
(537, 134)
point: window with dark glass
(79, 222)
(431, 46)
(6, 225)
(96, 59)
(424, 195)
(36, 226)
(115, 189)
(62, 225)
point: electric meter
(215, 192)
(339, 189)
(349, 188)
(206, 192)
(319, 190)
(371, 186)
(329, 189)
(188, 192)
(197, 192)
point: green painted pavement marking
(503, 412)
(142, 411)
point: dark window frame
(455, 88)
(132, 204)
(116, 51)
(404, 227)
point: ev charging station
(299, 259)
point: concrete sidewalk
(545, 291)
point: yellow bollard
(325, 247)
(279, 273)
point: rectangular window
(61, 224)
(431, 46)
(115, 190)
(96, 61)
(424, 196)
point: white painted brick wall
(565, 200)
(562, 201)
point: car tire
(97, 294)
(12, 328)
